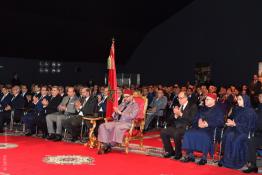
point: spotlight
(41, 70)
(53, 64)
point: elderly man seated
(111, 133)
(199, 137)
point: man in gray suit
(66, 109)
(157, 107)
(111, 133)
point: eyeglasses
(126, 96)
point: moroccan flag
(112, 82)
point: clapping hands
(230, 123)
(202, 123)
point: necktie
(67, 102)
(85, 100)
(3, 98)
(182, 108)
(13, 98)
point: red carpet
(27, 159)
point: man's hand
(153, 109)
(8, 108)
(230, 123)
(177, 112)
(202, 123)
(62, 108)
(45, 102)
(99, 98)
(35, 100)
(117, 110)
(77, 105)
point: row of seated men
(44, 110)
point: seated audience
(255, 142)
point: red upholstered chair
(137, 127)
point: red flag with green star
(112, 82)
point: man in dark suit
(34, 110)
(256, 141)
(16, 106)
(86, 106)
(183, 117)
(5, 98)
(102, 100)
(25, 94)
(49, 106)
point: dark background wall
(228, 34)
(71, 72)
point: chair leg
(65, 134)
(99, 145)
(220, 148)
(82, 128)
(157, 122)
(23, 128)
(141, 143)
(36, 130)
(126, 144)
(12, 121)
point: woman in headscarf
(240, 125)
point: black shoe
(58, 138)
(202, 162)
(178, 156)
(28, 134)
(44, 135)
(188, 159)
(219, 164)
(108, 149)
(51, 137)
(251, 170)
(101, 151)
(168, 155)
(73, 139)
